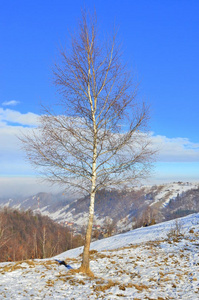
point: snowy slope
(171, 190)
(147, 263)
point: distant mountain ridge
(126, 209)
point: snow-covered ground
(157, 262)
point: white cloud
(176, 149)
(12, 159)
(10, 103)
(8, 116)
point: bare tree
(110, 225)
(43, 240)
(98, 138)
(5, 236)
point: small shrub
(176, 231)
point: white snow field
(156, 262)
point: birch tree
(98, 138)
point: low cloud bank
(24, 186)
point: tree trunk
(85, 260)
(44, 242)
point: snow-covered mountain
(156, 262)
(124, 209)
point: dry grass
(103, 286)
(140, 287)
(15, 266)
(50, 283)
(76, 282)
(84, 271)
(10, 267)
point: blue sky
(160, 44)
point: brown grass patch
(49, 283)
(75, 281)
(72, 260)
(101, 255)
(72, 280)
(140, 287)
(93, 252)
(161, 274)
(15, 266)
(125, 247)
(165, 279)
(112, 262)
(105, 286)
(102, 286)
(84, 271)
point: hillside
(24, 236)
(117, 210)
(156, 262)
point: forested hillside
(24, 236)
